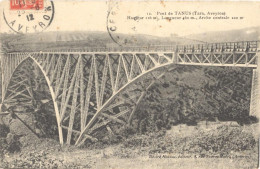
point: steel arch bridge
(101, 88)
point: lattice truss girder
(26, 88)
(9, 64)
(96, 91)
(240, 58)
(19, 90)
(91, 89)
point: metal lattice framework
(101, 89)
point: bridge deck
(249, 46)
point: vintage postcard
(129, 84)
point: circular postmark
(28, 16)
(121, 30)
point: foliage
(46, 122)
(8, 141)
(221, 93)
(10, 145)
(222, 141)
(42, 112)
(4, 130)
(230, 92)
(3, 145)
(143, 140)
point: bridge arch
(71, 80)
(108, 102)
(20, 63)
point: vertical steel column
(2, 77)
(257, 112)
(253, 100)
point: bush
(3, 145)
(223, 140)
(126, 131)
(134, 142)
(36, 160)
(13, 143)
(4, 130)
(220, 141)
(247, 120)
(143, 140)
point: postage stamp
(26, 4)
(29, 16)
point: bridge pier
(257, 112)
(255, 92)
(253, 100)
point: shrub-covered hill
(246, 34)
(189, 94)
(82, 39)
(79, 41)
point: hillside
(78, 40)
(82, 40)
(247, 34)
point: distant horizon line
(91, 31)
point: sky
(92, 16)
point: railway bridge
(101, 87)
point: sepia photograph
(129, 84)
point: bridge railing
(121, 49)
(248, 46)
